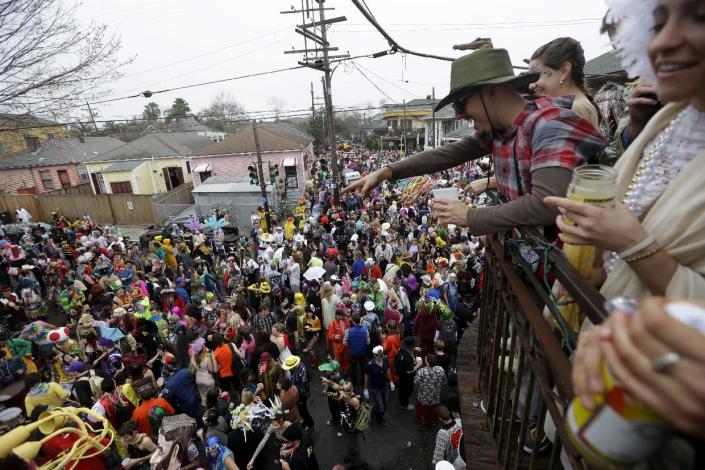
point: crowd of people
(196, 353)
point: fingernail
(596, 384)
(587, 401)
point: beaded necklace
(663, 160)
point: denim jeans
(379, 400)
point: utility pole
(403, 128)
(433, 118)
(90, 111)
(316, 56)
(262, 182)
(313, 105)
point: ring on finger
(665, 362)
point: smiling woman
(654, 241)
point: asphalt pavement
(401, 443)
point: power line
(371, 82)
(388, 81)
(472, 27)
(519, 22)
(394, 45)
(198, 56)
(304, 112)
(148, 94)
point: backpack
(448, 332)
(373, 329)
(399, 361)
(364, 416)
(236, 364)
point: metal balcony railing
(523, 358)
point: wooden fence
(117, 209)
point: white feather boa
(634, 34)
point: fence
(524, 367)
(84, 188)
(172, 203)
(118, 209)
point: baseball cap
(377, 350)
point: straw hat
(291, 362)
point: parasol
(314, 273)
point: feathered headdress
(194, 224)
(635, 32)
(216, 223)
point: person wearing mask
(535, 145)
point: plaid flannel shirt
(546, 134)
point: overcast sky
(237, 37)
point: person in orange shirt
(141, 414)
(336, 335)
(224, 358)
(391, 344)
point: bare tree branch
(48, 61)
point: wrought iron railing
(524, 359)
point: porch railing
(524, 359)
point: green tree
(151, 112)
(179, 108)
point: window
(101, 184)
(205, 175)
(2, 146)
(26, 138)
(292, 180)
(188, 167)
(407, 124)
(64, 178)
(82, 173)
(121, 187)
(47, 182)
(50, 136)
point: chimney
(82, 139)
(33, 143)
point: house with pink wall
(290, 150)
(53, 164)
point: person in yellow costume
(289, 228)
(170, 259)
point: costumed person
(336, 336)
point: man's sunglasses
(459, 104)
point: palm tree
(179, 108)
(151, 112)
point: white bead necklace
(663, 160)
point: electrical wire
(372, 83)
(304, 112)
(148, 94)
(388, 81)
(394, 45)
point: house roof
(272, 139)
(159, 144)
(228, 184)
(415, 105)
(460, 133)
(608, 63)
(63, 151)
(445, 113)
(187, 124)
(24, 120)
(127, 165)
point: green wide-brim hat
(480, 68)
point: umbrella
(314, 273)
(111, 333)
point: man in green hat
(535, 144)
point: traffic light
(273, 173)
(254, 176)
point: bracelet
(645, 243)
(657, 247)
